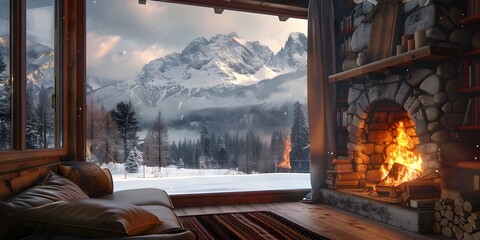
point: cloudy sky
(123, 35)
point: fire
(286, 155)
(401, 156)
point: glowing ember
(402, 155)
(286, 155)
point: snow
(186, 181)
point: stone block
(353, 95)
(368, 148)
(357, 160)
(364, 103)
(379, 117)
(391, 78)
(423, 18)
(358, 20)
(440, 136)
(425, 138)
(376, 159)
(428, 148)
(417, 76)
(432, 113)
(360, 123)
(374, 175)
(461, 36)
(433, 126)
(436, 34)
(410, 5)
(445, 22)
(453, 152)
(440, 97)
(402, 93)
(360, 37)
(420, 122)
(423, 3)
(447, 107)
(355, 147)
(379, 148)
(379, 136)
(452, 120)
(410, 100)
(432, 84)
(413, 109)
(426, 100)
(360, 113)
(451, 88)
(456, 15)
(360, 168)
(446, 70)
(378, 126)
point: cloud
(126, 35)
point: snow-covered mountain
(223, 70)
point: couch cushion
(142, 197)
(171, 223)
(88, 176)
(91, 218)
(54, 188)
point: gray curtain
(321, 94)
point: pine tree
(300, 142)
(133, 161)
(46, 117)
(32, 119)
(5, 109)
(222, 153)
(125, 117)
(3, 65)
(206, 160)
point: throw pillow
(54, 188)
(88, 176)
(91, 218)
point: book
(467, 118)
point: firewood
(472, 205)
(456, 220)
(467, 236)
(446, 231)
(437, 228)
(438, 205)
(458, 201)
(449, 215)
(467, 228)
(444, 222)
(437, 216)
(471, 220)
(476, 236)
(458, 210)
(458, 233)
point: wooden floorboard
(323, 219)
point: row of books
(472, 113)
(341, 174)
(470, 73)
(346, 23)
(473, 7)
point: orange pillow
(88, 176)
(90, 218)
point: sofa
(76, 200)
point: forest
(114, 136)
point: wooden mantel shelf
(427, 53)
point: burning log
(397, 173)
(455, 215)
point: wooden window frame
(70, 57)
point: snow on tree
(46, 119)
(134, 159)
(32, 119)
(125, 117)
(300, 142)
(3, 65)
(5, 109)
(222, 155)
(206, 160)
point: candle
(404, 40)
(420, 37)
(411, 44)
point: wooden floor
(326, 220)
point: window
(178, 95)
(31, 112)
(5, 78)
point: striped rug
(246, 225)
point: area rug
(246, 225)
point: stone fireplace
(424, 100)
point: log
(467, 228)
(444, 222)
(476, 236)
(437, 228)
(471, 220)
(458, 233)
(449, 215)
(458, 210)
(438, 205)
(422, 189)
(446, 231)
(456, 220)
(472, 205)
(458, 201)
(467, 236)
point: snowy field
(185, 181)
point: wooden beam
(265, 7)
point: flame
(286, 154)
(403, 155)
